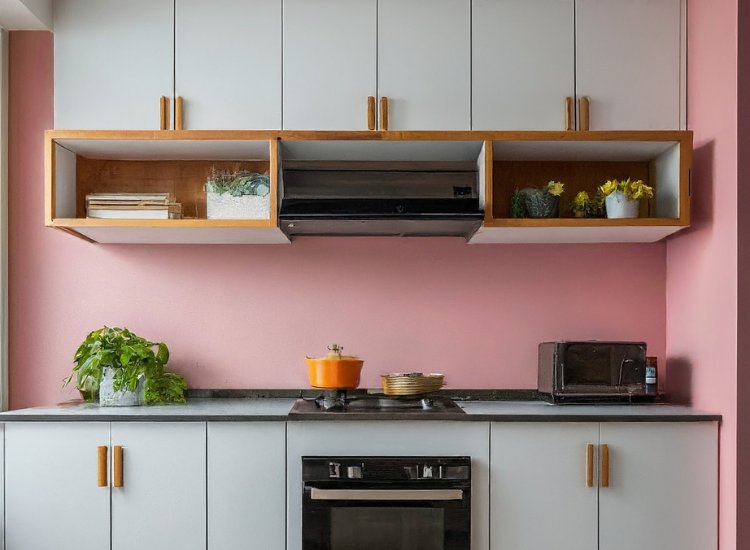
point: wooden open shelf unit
(81, 162)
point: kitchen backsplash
(245, 316)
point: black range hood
(380, 199)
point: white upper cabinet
(629, 63)
(424, 63)
(523, 63)
(162, 501)
(113, 61)
(330, 49)
(52, 494)
(228, 64)
(662, 492)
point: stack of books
(133, 206)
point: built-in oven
(386, 503)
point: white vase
(620, 206)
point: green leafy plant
(633, 190)
(131, 357)
(585, 206)
(537, 202)
(518, 205)
(238, 184)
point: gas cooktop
(359, 401)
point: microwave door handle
(386, 494)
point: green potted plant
(536, 202)
(585, 206)
(623, 197)
(124, 369)
(238, 195)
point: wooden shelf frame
(162, 144)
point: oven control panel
(386, 468)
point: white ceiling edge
(26, 15)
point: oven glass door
(386, 519)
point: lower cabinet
(246, 485)
(608, 486)
(57, 496)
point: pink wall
(245, 316)
(702, 262)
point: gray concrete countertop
(259, 409)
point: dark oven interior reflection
(377, 503)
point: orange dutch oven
(334, 371)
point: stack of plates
(412, 383)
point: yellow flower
(609, 187)
(555, 188)
(581, 200)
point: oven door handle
(386, 494)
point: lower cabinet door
(246, 485)
(662, 486)
(162, 501)
(539, 492)
(51, 486)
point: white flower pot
(108, 397)
(620, 206)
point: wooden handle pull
(589, 465)
(370, 112)
(605, 465)
(117, 474)
(101, 473)
(570, 114)
(163, 113)
(583, 107)
(178, 111)
(384, 113)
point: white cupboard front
(523, 63)
(228, 64)
(162, 501)
(424, 63)
(113, 61)
(52, 495)
(629, 63)
(330, 52)
(246, 485)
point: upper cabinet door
(523, 64)
(228, 64)
(329, 63)
(52, 493)
(662, 486)
(424, 63)
(629, 63)
(113, 61)
(162, 501)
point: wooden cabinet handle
(164, 113)
(589, 465)
(370, 112)
(178, 110)
(384, 113)
(605, 465)
(117, 474)
(101, 474)
(583, 108)
(570, 115)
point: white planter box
(224, 206)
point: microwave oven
(591, 372)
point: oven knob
(334, 469)
(427, 472)
(354, 472)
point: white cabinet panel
(424, 63)
(539, 496)
(407, 438)
(228, 63)
(51, 491)
(246, 485)
(162, 503)
(523, 63)
(329, 63)
(628, 61)
(663, 486)
(113, 60)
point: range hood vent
(384, 198)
